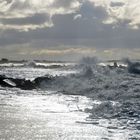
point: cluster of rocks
(22, 83)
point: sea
(83, 101)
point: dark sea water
(82, 102)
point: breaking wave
(95, 81)
(33, 64)
(43, 65)
(133, 67)
(118, 88)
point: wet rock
(18, 83)
(26, 85)
(4, 83)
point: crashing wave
(30, 64)
(133, 67)
(34, 64)
(94, 81)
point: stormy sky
(69, 29)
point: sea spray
(133, 67)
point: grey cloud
(35, 19)
(121, 10)
(31, 12)
(87, 31)
(4, 41)
(116, 4)
(88, 10)
(19, 5)
(63, 3)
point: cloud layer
(69, 28)
(32, 14)
(121, 11)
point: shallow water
(47, 115)
(37, 116)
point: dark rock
(19, 83)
